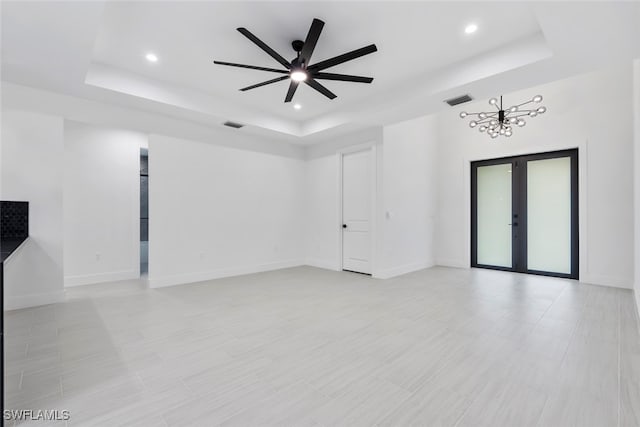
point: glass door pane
(494, 212)
(549, 215)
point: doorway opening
(524, 214)
(144, 212)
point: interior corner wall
(216, 211)
(409, 173)
(31, 170)
(592, 112)
(101, 203)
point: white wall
(636, 169)
(101, 204)
(409, 196)
(217, 211)
(32, 153)
(592, 112)
(235, 227)
(322, 217)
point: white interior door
(356, 211)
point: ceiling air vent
(459, 100)
(233, 125)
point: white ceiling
(96, 50)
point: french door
(524, 214)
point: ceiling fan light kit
(501, 122)
(300, 70)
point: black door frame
(519, 211)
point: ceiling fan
(299, 69)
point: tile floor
(304, 346)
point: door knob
(344, 225)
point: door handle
(344, 225)
(515, 224)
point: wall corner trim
(388, 273)
(322, 263)
(605, 280)
(451, 262)
(90, 279)
(182, 279)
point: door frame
(374, 179)
(474, 217)
(518, 201)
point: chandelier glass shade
(502, 121)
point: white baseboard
(33, 300)
(181, 279)
(322, 263)
(450, 262)
(600, 280)
(90, 279)
(610, 281)
(388, 273)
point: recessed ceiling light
(297, 106)
(151, 57)
(471, 28)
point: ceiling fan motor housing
(297, 45)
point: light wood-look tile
(311, 347)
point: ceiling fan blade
(311, 40)
(262, 45)
(252, 67)
(344, 58)
(323, 90)
(342, 77)
(292, 90)
(268, 82)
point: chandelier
(501, 122)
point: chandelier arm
(527, 111)
(518, 111)
(487, 120)
(525, 103)
(488, 115)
